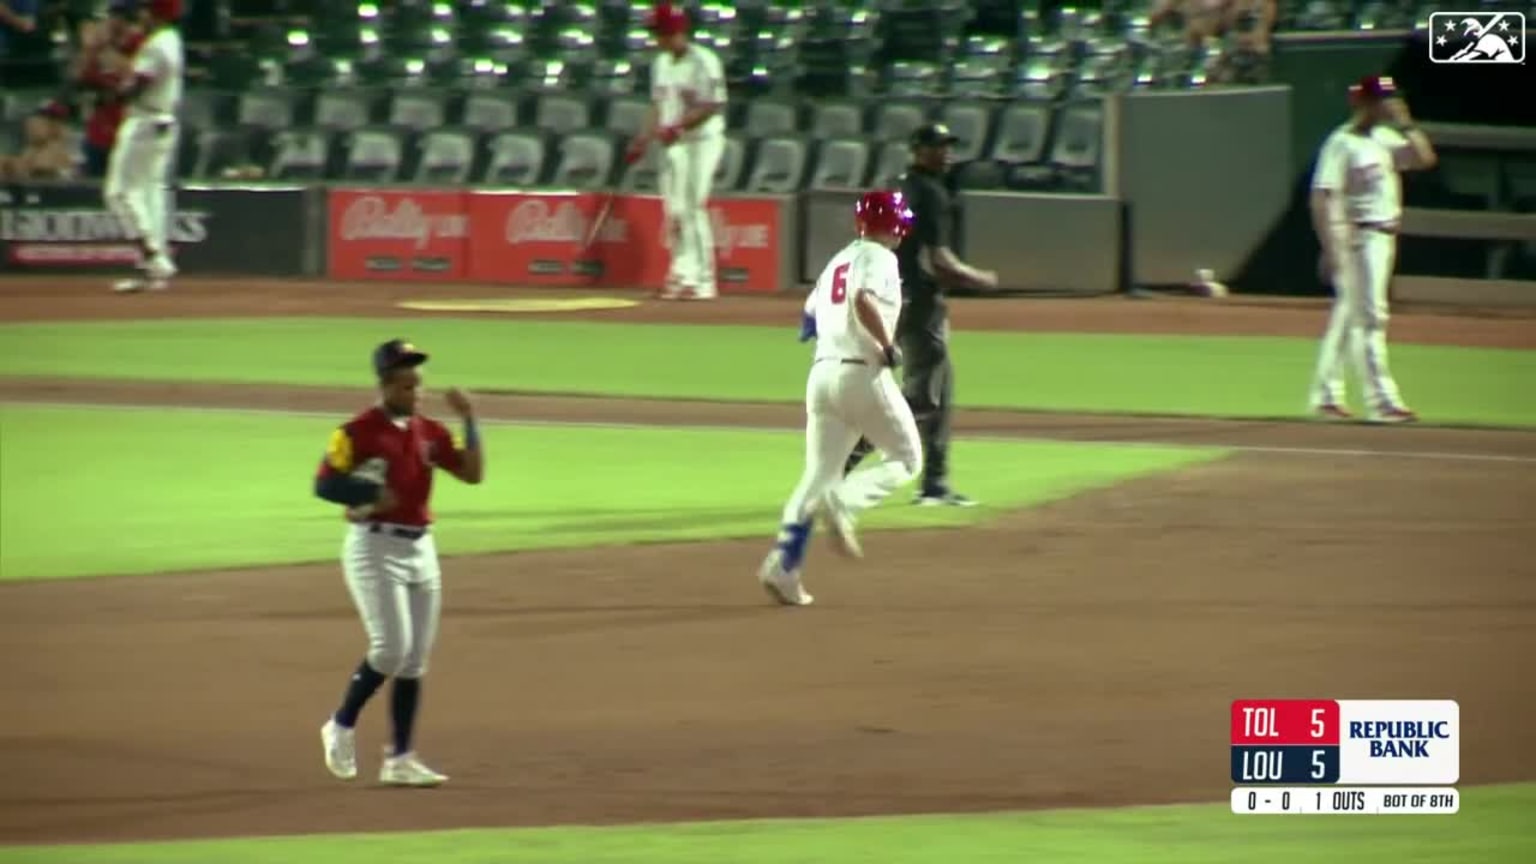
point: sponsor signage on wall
(66, 227)
(537, 238)
(398, 234)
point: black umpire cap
(396, 354)
(932, 135)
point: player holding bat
(687, 119)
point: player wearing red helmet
(1356, 210)
(687, 119)
(929, 266)
(851, 392)
(138, 182)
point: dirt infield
(1082, 653)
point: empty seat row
(1035, 148)
(973, 121)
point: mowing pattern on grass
(1080, 653)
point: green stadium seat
(447, 157)
(373, 156)
(515, 159)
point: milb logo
(1399, 739)
(1476, 37)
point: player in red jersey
(379, 466)
(105, 61)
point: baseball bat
(600, 219)
(609, 193)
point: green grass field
(210, 506)
(1238, 377)
(1491, 828)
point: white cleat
(782, 585)
(841, 527)
(140, 284)
(407, 770)
(340, 749)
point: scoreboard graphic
(1309, 755)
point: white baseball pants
(138, 184)
(396, 585)
(844, 401)
(1358, 326)
(687, 172)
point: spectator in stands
(103, 62)
(1244, 25)
(16, 16)
(45, 155)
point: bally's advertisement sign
(539, 238)
(408, 234)
(67, 227)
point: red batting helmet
(1372, 88)
(883, 211)
(165, 10)
(668, 20)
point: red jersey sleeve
(447, 453)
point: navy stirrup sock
(365, 682)
(793, 538)
(403, 700)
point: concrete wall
(1206, 176)
(1037, 243)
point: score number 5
(1319, 728)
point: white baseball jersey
(162, 60)
(862, 266)
(679, 84)
(1363, 166)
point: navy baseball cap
(933, 135)
(397, 354)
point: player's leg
(888, 423)
(928, 384)
(158, 201)
(1377, 256)
(704, 160)
(127, 160)
(424, 597)
(674, 203)
(382, 604)
(1327, 396)
(828, 439)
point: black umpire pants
(928, 383)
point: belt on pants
(846, 361)
(1382, 227)
(404, 532)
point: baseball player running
(851, 391)
(687, 119)
(379, 466)
(138, 183)
(1356, 209)
(927, 262)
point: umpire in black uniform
(928, 262)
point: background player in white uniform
(1357, 207)
(687, 119)
(138, 182)
(851, 392)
